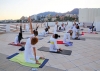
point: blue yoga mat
(11, 56)
(69, 44)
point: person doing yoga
(75, 32)
(56, 28)
(18, 38)
(67, 36)
(53, 43)
(44, 32)
(30, 49)
(62, 27)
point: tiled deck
(85, 54)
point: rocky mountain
(74, 11)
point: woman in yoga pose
(18, 38)
(27, 27)
(48, 28)
(75, 32)
(53, 44)
(45, 32)
(30, 48)
(90, 30)
(56, 28)
(78, 30)
(67, 36)
(62, 27)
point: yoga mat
(61, 42)
(60, 30)
(11, 56)
(69, 44)
(15, 44)
(22, 43)
(66, 44)
(79, 39)
(43, 36)
(90, 33)
(26, 37)
(64, 52)
(38, 38)
(19, 58)
(82, 29)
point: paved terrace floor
(85, 54)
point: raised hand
(29, 19)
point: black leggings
(20, 37)
(20, 29)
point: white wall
(97, 23)
(88, 14)
(97, 19)
(98, 26)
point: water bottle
(34, 69)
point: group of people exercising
(30, 48)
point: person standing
(56, 28)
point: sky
(15, 9)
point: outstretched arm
(37, 62)
(29, 19)
(34, 50)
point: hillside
(74, 11)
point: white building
(67, 15)
(54, 18)
(88, 14)
(71, 15)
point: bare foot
(60, 49)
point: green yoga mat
(20, 59)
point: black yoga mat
(38, 38)
(79, 39)
(60, 30)
(64, 52)
(43, 36)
